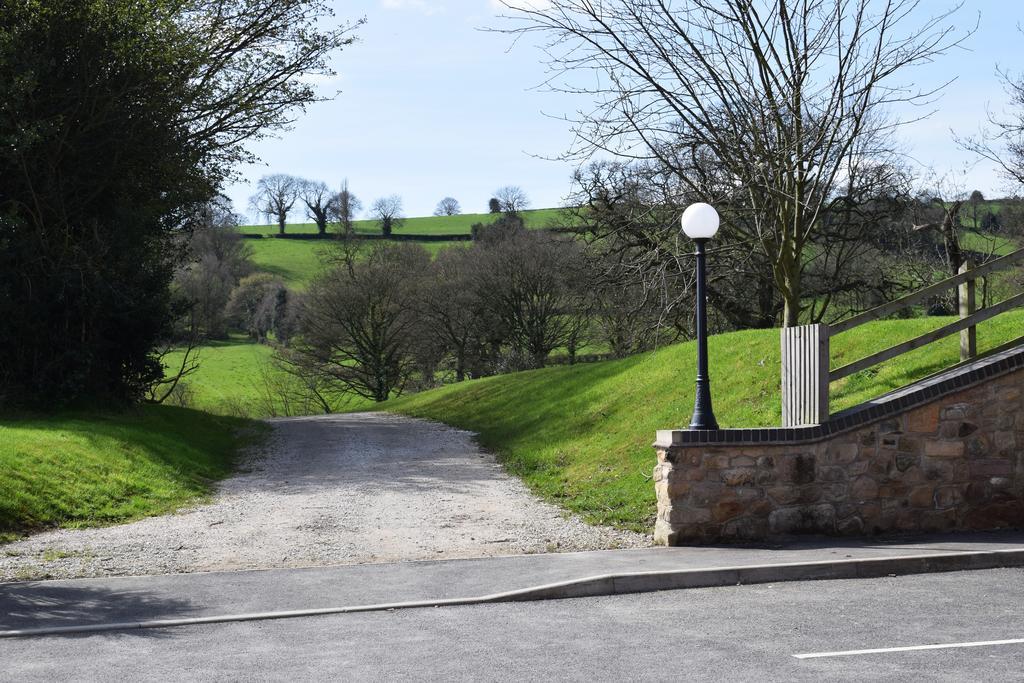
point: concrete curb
(614, 584)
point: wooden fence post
(805, 375)
(966, 297)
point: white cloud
(422, 6)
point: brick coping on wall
(901, 400)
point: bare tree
(318, 200)
(275, 196)
(452, 310)
(344, 208)
(359, 330)
(1003, 141)
(775, 94)
(388, 212)
(536, 286)
(512, 199)
(449, 206)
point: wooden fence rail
(806, 375)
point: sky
(432, 105)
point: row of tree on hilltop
(279, 194)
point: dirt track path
(340, 489)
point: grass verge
(581, 436)
(94, 469)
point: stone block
(943, 449)
(1005, 441)
(880, 464)
(864, 488)
(843, 453)
(665, 533)
(938, 520)
(1008, 394)
(798, 468)
(738, 476)
(924, 420)
(855, 469)
(689, 515)
(760, 508)
(991, 467)
(835, 493)
(922, 496)
(947, 497)
(976, 492)
(940, 469)
(716, 462)
(677, 488)
(694, 474)
(785, 521)
(996, 516)
(745, 528)
(810, 493)
(819, 518)
(1001, 483)
(831, 474)
(742, 461)
(705, 494)
(852, 526)
(957, 411)
(893, 492)
(725, 510)
(904, 461)
(910, 444)
(784, 495)
(977, 446)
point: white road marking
(938, 646)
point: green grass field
(232, 380)
(297, 262)
(88, 469)
(997, 245)
(580, 436)
(422, 225)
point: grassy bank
(580, 436)
(90, 469)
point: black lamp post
(700, 223)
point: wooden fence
(806, 375)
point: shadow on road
(41, 605)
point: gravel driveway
(339, 489)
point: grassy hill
(580, 436)
(296, 262)
(421, 225)
(88, 469)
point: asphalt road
(735, 633)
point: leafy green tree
(118, 119)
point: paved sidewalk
(80, 602)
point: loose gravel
(330, 490)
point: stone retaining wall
(954, 463)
